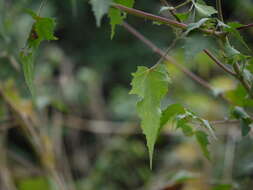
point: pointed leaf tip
(151, 86)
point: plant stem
(149, 16)
(219, 63)
(157, 50)
(219, 9)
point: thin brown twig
(108, 127)
(226, 69)
(163, 20)
(171, 60)
(245, 26)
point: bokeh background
(85, 118)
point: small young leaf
(239, 112)
(185, 127)
(232, 29)
(116, 16)
(183, 16)
(151, 85)
(230, 51)
(245, 126)
(45, 28)
(196, 25)
(245, 120)
(205, 10)
(202, 139)
(100, 8)
(42, 29)
(207, 125)
(170, 112)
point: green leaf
(127, 3)
(42, 29)
(245, 126)
(230, 51)
(116, 16)
(185, 127)
(205, 10)
(239, 112)
(202, 139)
(183, 16)
(100, 8)
(232, 29)
(207, 125)
(202, 42)
(196, 25)
(45, 28)
(151, 85)
(170, 112)
(239, 97)
(245, 120)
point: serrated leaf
(205, 10)
(116, 16)
(100, 8)
(151, 85)
(202, 139)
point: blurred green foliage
(82, 82)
